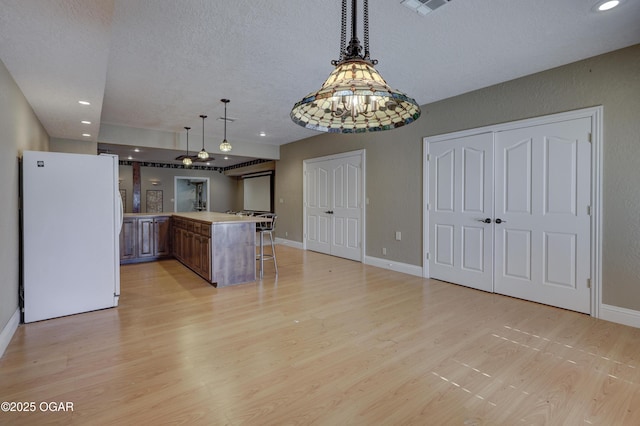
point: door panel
(473, 248)
(474, 180)
(517, 177)
(461, 196)
(517, 254)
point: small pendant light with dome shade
(203, 154)
(225, 146)
(186, 161)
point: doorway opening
(191, 194)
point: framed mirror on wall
(191, 194)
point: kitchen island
(219, 247)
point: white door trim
(363, 227)
(596, 115)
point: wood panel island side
(219, 247)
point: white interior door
(333, 206)
(461, 211)
(542, 199)
(346, 211)
(318, 221)
(534, 184)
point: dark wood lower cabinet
(191, 245)
(145, 238)
(128, 240)
(223, 253)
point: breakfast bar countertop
(215, 217)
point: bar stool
(266, 227)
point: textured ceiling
(159, 64)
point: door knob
(487, 220)
(329, 212)
(498, 221)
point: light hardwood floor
(330, 342)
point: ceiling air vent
(424, 7)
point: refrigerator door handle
(121, 218)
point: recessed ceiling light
(86, 135)
(84, 103)
(605, 5)
(136, 150)
(226, 158)
(85, 122)
(262, 134)
(129, 158)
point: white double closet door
(509, 212)
(333, 205)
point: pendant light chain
(366, 30)
(343, 33)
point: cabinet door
(177, 242)
(161, 229)
(196, 252)
(128, 239)
(146, 237)
(205, 257)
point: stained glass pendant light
(186, 161)
(225, 146)
(203, 155)
(355, 98)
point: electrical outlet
(398, 235)
(384, 251)
(286, 234)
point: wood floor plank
(328, 341)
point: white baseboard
(8, 331)
(394, 266)
(620, 315)
(294, 244)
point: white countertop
(215, 217)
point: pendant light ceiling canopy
(355, 98)
(186, 161)
(203, 155)
(225, 146)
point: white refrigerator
(71, 220)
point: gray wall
(222, 188)
(20, 131)
(74, 146)
(394, 160)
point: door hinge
(588, 282)
(428, 157)
(427, 256)
(428, 207)
(588, 210)
(590, 137)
